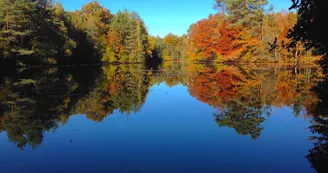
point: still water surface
(179, 118)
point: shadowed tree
(311, 28)
(318, 155)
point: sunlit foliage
(246, 31)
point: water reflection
(318, 155)
(38, 100)
(244, 96)
(121, 87)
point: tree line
(247, 31)
(40, 32)
(251, 31)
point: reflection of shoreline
(241, 94)
(281, 86)
(244, 94)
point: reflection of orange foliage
(284, 90)
(113, 88)
(212, 87)
(251, 87)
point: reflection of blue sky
(173, 132)
(164, 16)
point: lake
(180, 117)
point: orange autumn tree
(203, 39)
(231, 42)
(215, 39)
(246, 33)
(115, 47)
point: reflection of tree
(246, 121)
(318, 155)
(96, 105)
(244, 96)
(127, 86)
(213, 85)
(172, 74)
(33, 101)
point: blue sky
(164, 16)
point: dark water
(178, 118)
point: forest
(42, 32)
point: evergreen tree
(128, 39)
(248, 13)
(15, 32)
(33, 32)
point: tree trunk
(7, 27)
(262, 32)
